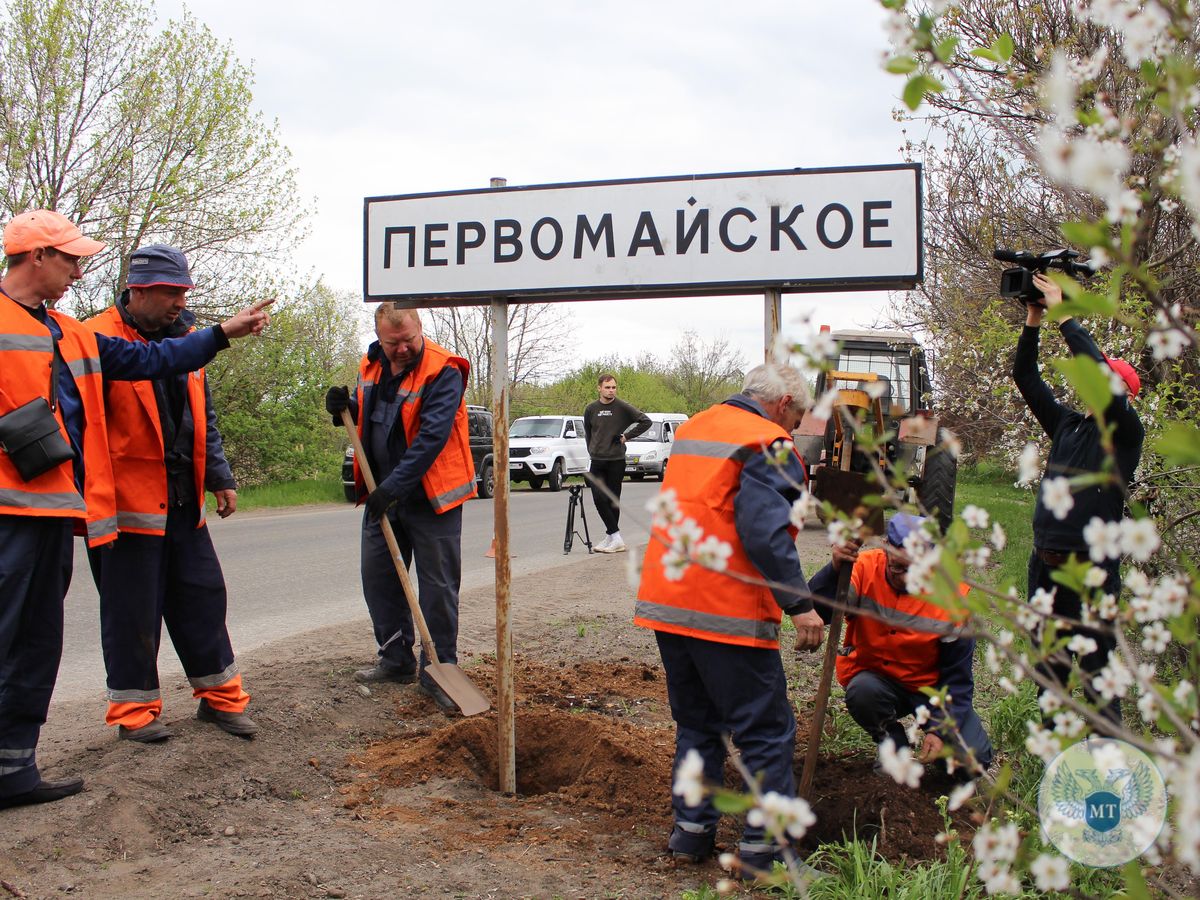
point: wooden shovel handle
(390, 537)
(832, 641)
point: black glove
(337, 399)
(378, 502)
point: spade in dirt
(449, 677)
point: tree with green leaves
(142, 135)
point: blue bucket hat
(901, 526)
(157, 264)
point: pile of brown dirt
(595, 740)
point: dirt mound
(595, 739)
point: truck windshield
(544, 428)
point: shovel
(449, 677)
(845, 491)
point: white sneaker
(615, 545)
(602, 546)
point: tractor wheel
(936, 490)
(487, 481)
(556, 476)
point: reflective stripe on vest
(701, 621)
(47, 502)
(34, 343)
(130, 521)
(81, 367)
(714, 450)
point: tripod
(576, 500)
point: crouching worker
(906, 643)
(718, 631)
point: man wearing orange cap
(1076, 448)
(55, 471)
(166, 453)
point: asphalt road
(290, 571)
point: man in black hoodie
(608, 423)
(1077, 448)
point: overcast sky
(377, 98)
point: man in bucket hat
(162, 567)
(48, 357)
(1077, 448)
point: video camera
(1018, 281)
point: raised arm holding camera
(1077, 447)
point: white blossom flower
(823, 408)
(1049, 702)
(1051, 873)
(1028, 467)
(1095, 577)
(1056, 497)
(1183, 691)
(1082, 645)
(790, 815)
(1171, 593)
(689, 778)
(1139, 538)
(1006, 684)
(975, 516)
(727, 861)
(1004, 637)
(1155, 637)
(1068, 724)
(900, 764)
(1167, 343)
(1103, 539)
(1107, 609)
(991, 657)
(1043, 600)
(633, 568)
(1114, 680)
(674, 565)
(1147, 609)
(805, 508)
(977, 556)
(1147, 705)
(713, 553)
(919, 578)
(996, 843)
(820, 346)
(999, 538)
(664, 509)
(685, 534)
(1137, 582)
(961, 795)
(921, 714)
(841, 532)
(1041, 743)
(1004, 883)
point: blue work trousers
(35, 572)
(717, 689)
(435, 542)
(147, 580)
(877, 703)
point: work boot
(44, 792)
(691, 846)
(440, 697)
(379, 672)
(238, 724)
(150, 733)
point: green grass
(287, 493)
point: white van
(545, 449)
(647, 454)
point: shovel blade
(459, 688)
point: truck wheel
(556, 476)
(937, 487)
(351, 492)
(536, 482)
(487, 481)
(662, 472)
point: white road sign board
(853, 228)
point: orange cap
(46, 228)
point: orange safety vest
(707, 459)
(450, 480)
(903, 642)
(135, 439)
(26, 355)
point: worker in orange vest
(895, 645)
(735, 474)
(166, 453)
(410, 406)
(55, 480)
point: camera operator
(1076, 448)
